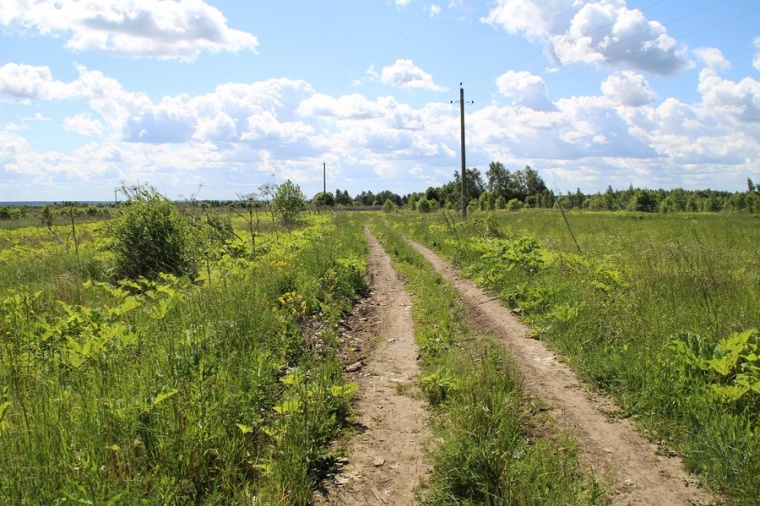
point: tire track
(613, 449)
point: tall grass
(172, 392)
(492, 447)
(659, 311)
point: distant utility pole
(464, 166)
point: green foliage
(149, 236)
(618, 312)
(324, 199)
(424, 205)
(170, 392)
(730, 367)
(288, 202)
(389, 206)
(514, 205)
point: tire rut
(611, 448)
(385, 461)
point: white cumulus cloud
(604, 32)
(405, 74)
(83, 124)
(713, 58)
(525, 89)
(628, 88)
(171, 29)
(30, 82)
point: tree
(288, 202)
(342, 198)
(324, 199)
(498, 179)
(473, 183)
(533, 182)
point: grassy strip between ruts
(660, 312)
(172, 392)
(492, 446)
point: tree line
(500, 188)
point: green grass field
(660, 311)
(228, 388)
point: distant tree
(424, 205)
(288, 202)
(473, 183)
(498, 179)
(433, 194)
(643, 201)
(342, 198)
(751, 186)
(533, 182)
(389, 206)
(324, 199)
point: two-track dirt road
(386, 461)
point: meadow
(226, 386)
(659, 311)
(225, 389)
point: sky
(215, 98)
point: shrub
(149, 235)
(423, 206)
(514, 205)
(389, 206)
(288, 202)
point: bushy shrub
(389, 206)
(288, 202)
(149, 235)
(424, 205)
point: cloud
(756, 61)
(83, 124)
(628, 88)
(724, 99)
(242, 133)
(405, 74)
(525, 89)
(600, 33)
(179, 29)
(435, 10)
(713, 58)
(30, 82)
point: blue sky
(217, 97)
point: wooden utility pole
(464, 169)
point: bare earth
(611, 447)
(385, 461)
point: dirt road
(611, 447)
(385, 463)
